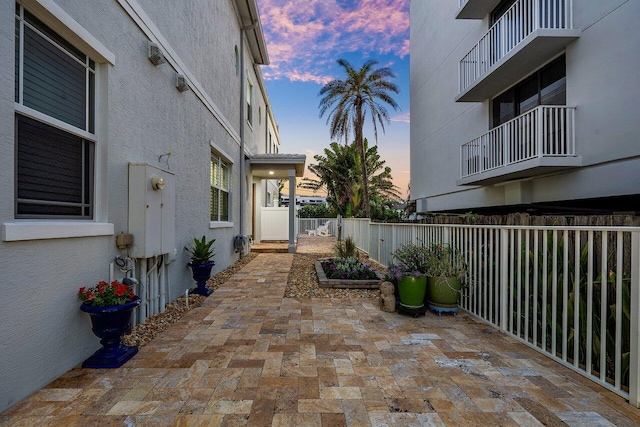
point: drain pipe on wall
(243, 102)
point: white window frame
(225, 159)
(52, 15)
(249, 96)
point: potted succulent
(201, 252)
(110, 306)
(409, 274)
(447, 268)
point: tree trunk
(363, 163)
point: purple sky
(305, 38)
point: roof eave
(249, 16)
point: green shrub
(346, 249)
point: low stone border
(325, 282)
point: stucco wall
(43, 333)
(601, 84)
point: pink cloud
(404, 118)
(304, 36)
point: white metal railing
(307, 224)
(522, 19)
(572, 293)
(545, 131)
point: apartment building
(525, 105)
(141, 117)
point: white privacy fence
(572, 293)
(545, 131)
(522, 19)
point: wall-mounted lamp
(181, 83)
(157, 183)
(155, 54)
(271, 172)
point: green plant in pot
(201, 252)
(409, 275)
(446, 271)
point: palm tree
(348, 101)
(338, 172)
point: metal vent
(155, 54)
(181, 83)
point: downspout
(242, 118)
(243, 102)
(267, 148)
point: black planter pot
(110, 324)
(202, 273)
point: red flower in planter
(106, 294)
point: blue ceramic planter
(110, 324)
(202, 273)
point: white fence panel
(274, 223)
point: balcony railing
(545, 131)
(520, 21)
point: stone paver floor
(250, 357)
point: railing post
(540, 129)
(504, 279)
(634, 355)
(505, 142)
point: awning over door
(277, 166)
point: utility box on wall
(152, 210)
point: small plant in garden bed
(348, 268)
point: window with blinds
(547, 86)
(220, 189)
(55, 124)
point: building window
(500, 10)
(236, 60)
(259, 115)
(220, 189)
(545, 87)
(249, 101)
(54, 123)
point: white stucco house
(525, 105)
(142, 117)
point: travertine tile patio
(250, 357)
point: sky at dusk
(305, 38)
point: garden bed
(325, 282)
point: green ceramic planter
(412, 291)
(444, 291)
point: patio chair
(323, 230)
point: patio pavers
(250, 357)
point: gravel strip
(142, 333)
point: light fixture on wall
(155, 54)
(271, 172)
(181, 83)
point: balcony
(475, 9)
(535, 143)
(529, 34)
